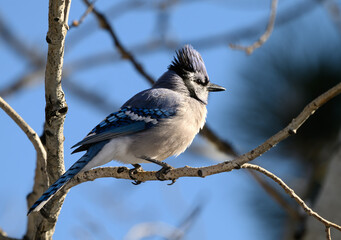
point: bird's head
(189, 65)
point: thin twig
(249, 49)
(328, 235)
(76, 23)
(292, 194)
(30, 133)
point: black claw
(163, 171)
(173, 181)
(160, 174)
(237, 166)
(133, 171)
(136, 182)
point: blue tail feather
(67, 176)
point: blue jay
(151, 126)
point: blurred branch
(287, 15)
(17, 44)
(161, 229)
(292, 194)
(3, 236)
(206, 42)
(34, 58)
(149, 229)
(334, 11)
(125, 54)
(30, 133)
(249, 49)
(276, 196)
(89, 96)
(188, 221)
(220, 144)
(22, 81)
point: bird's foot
(160, 175)
(137, 168)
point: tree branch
(30, 133)
(249, 49)
(292, 194)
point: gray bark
(41, 225)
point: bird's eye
(202, 82)
(198, 81)
(206, 81)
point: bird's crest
(187, 60)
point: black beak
(211, 87)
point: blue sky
(110, 208)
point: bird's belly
(162, 142)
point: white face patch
(134, 116)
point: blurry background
(265, 91)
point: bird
(153, 125)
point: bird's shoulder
(161, 98)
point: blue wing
(126, 121)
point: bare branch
(249, 49)
(30, 133)
(292, 194)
